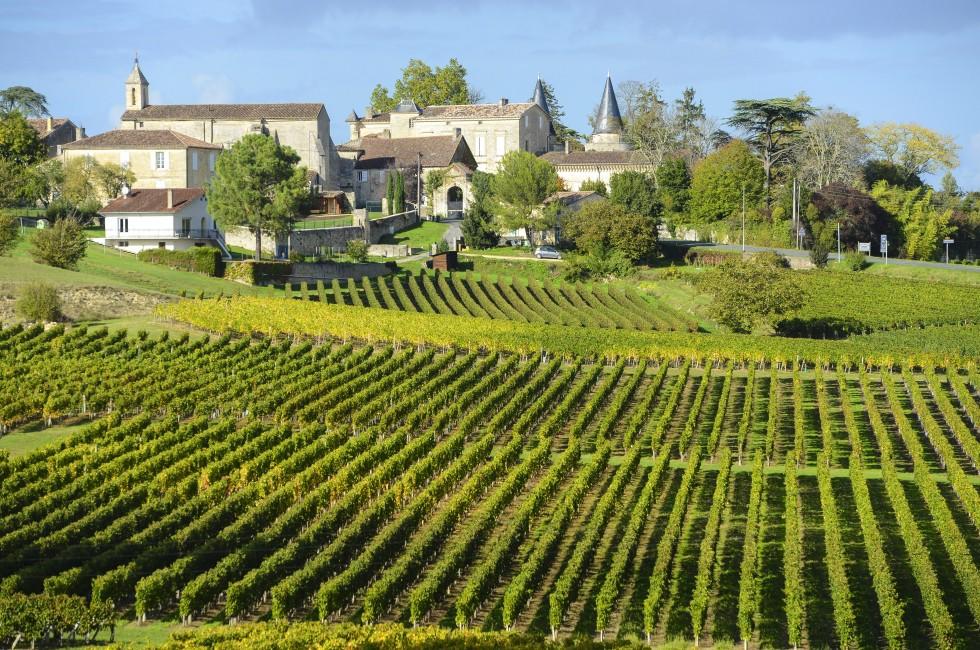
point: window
(527, 145)
(211, 161)
(185, 226)
(161, 244)
(194, 160)
(123, 225)
(159, 160)
(122, 244)
(501, 144)
(362, 175)
(540, 121)
(525, 121)
(132, 97)
(124, 159)
(481, 145)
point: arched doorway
(454, 202)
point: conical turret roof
(539, 97)
(136, 76)
(608, 120)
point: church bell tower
(137, 89)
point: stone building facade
(490, 130)
(303, 127)
(56, 132)
(374, 158)
(159, 159)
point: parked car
(547, 253)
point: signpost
(947, 241)
(884, 247)
(864, 247)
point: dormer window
(132, 96)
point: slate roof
(594, 158)
(608, 119)
(252, 112)
(140, 139)
(437, 151)
(153, 200)
(539, 98)
(475, 111)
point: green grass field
(112, 268)
(419, 237)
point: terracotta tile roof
(140, 139)
(475, 111)
(437, 151)
(377, 117)
(594, 158)
(154, 200)
(226, 112)
(41, 124)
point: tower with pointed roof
(137, 89)
(608, 132)
(539, 97)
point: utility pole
(838, 241)
(418, 189)
(795, 229)
(743, 217)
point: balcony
(191, 233)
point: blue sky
(896, 61)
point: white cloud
(213, 89)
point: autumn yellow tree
(913, 148)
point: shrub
(61, 245)
(39, 301)
(200, 259)
(9, 233)
(252, 272)
(819, 254)
(854, 261)
(357, 250)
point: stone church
(303, 127)
(606, 153)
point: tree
(751, 293)
(62, 245)
(654, 133)
(833, 149)
(923, 224)
(772, 127)
(861, 218)
(691, 120)
(478, 228)
(594, 185)
(81, 185)
(522, 183)
(674, 189)
(882, 170)
(912, 148)
(9, 232)
(636, 192)
(257, 184)
(390, 191)
(563, 133)
(19, 142)
(399, 193)
(601, 227)
(23, 100)
(716, 186)
(39, 302)
(426, 87)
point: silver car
(547, 253)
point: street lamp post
(743, 217)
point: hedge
(200, 259)
(252, 272)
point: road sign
(864, 247)
(948, 241)
(884, 242)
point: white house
(175, 219)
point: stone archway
(454, 202)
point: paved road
(792, 252)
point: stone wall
(243, 238)
(328, 271)
(378, 228)
(306, 242)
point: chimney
(503, 101)
(80, 133)
(50, 123)
(170, 199)
(568, 146)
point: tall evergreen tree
(390, 192)
(400, 194)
